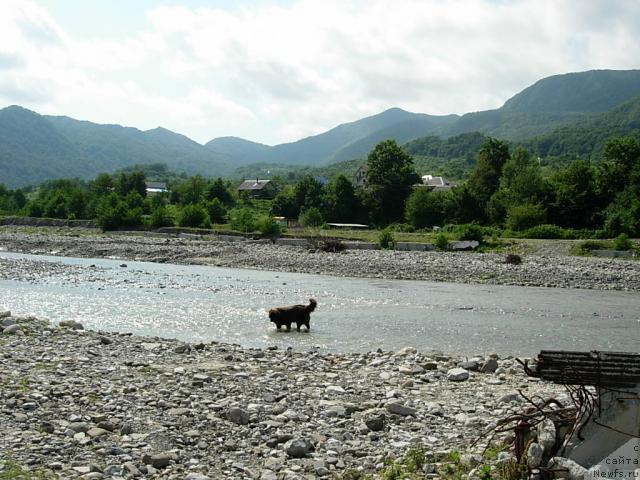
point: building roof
(256, 184)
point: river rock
(11, 329)
(457, 375)
(299, 447)
(534, 455)
(568, 469)
(5, 313)
(71, 324)
(8, 321)
(374, 420)
(489, 366)
(547, 434)
(238, 416)
(400, 409)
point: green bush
(386, 239)
(470, 231)
(402, 227)
(217, 211)
(548, 231)
(622, 242)
(161, 217)
(311, 217)
(441, 242)
(584, 248)
(194, 215)
(268, 226)
(523, 217)
(243, 220)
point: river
(198, 303)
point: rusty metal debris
(595, 368)
(602, 415)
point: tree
(341, 203)
(192, 190)
(132, 182)
(284, 204)
(390, 178)
(575, 203)
(221, 190)
(311, 217)
(425, 208)
(522, 217)
(485, 178)
(217, 211)
(521, 183)
(308, 193)
(194, 215)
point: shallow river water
(198, 303)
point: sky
(278, 71)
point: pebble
(126, 413)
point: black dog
(300, 314)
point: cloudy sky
(276, 71)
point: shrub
(311, 217)
(402, 227)
(622, 242)
(268, 226)
(161, 217)
(194, 215)
(217, 211)
(243, 220)
(386, 239)
(548, 231)
(111, 212)
(470, 231)
(441, 242)
(522, 217)
(584, 248)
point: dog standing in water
(298, 314)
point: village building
(436, 184)
(154, 188)
(257, 188)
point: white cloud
(277, 73)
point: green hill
(35, 148)
(571, 114)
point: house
(437, 184)
(153, 188)
(360, 178)
(257, 188)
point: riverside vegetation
(508, 193)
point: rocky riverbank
(94, 405)
(546, 270)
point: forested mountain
(344, 142)
(34, 148)
(560, 115)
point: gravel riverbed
(545, 270)
(93, 405)
(87, 404)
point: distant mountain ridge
(35, 147)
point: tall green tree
(308, 193)
(485, 179)
(425, 208)
(575, 203)
(390, 179)
(131, 182)
(221, 190)
(341, 203)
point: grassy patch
(585, 248)
(10, 470)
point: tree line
(507, 189)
